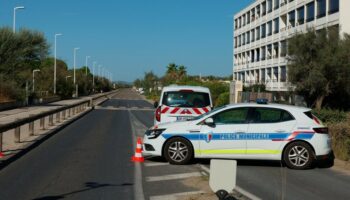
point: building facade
(261, 31)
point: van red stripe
(175, 110)
(197, 111)
(205, 109)
(165, 109)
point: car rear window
(271, 115)
(187, 99)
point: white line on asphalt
(138, 188)
(174, 196)
(238, 189)
(147, 164)
(173, 177)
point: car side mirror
(209, 121)
(156, 104)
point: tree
(318, 64)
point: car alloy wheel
(178, 151)
(299, 155)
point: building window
(321, 8)
(236, 25)
(283, 74)
(301, 15)
(283, 48)
(243, 39)
(257, 11)
(243, 20)
(239, 22)
(263, 8)
(252, 12)
(276, 23)
(269, 28)
(252, 55)
(248, 18)
(333, 6)
(310, 9)
(269, 51)
(292, 18)
(239, 41)
(248, 37)
(275, 50)
(253, 35)
(263, 31)
(258, 33)
(276, 4)
(263, 53)
(269, 6)
(257, 54)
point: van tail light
(323, 130)
(158, 113)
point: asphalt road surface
(90, 159)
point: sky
(131, 37)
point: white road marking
(174, 196)
(238, 189)
(173, 177)
(148, 164)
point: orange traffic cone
(138, 152)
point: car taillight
(157, 114)
(323, 130)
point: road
(90, 159)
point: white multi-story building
(261, 31)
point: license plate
(182, 118)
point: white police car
(243, 131)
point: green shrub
(223, 99)
(340, 133)
(330, 116)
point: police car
(243, 131)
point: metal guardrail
(62, 113)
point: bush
(330, 116)
(340, 133)
(223, 99)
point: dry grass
(340, 133)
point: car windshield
(187, 99)
(206, 114)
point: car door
(269, 129)
(226, 137)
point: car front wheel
(298, 155)
(178, 151)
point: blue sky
(130, 37)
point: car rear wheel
(298, 155)
(178, 151)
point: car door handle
(194, 131)
(280, 131)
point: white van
(178, 103)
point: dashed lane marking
(172, 177)
(174, 196)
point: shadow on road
(88, 186)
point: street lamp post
(74, 78)
(93, 75)
(35, 70)
(86, 64)
(14, 17)
(55, 65)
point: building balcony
(273, 85)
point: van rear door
(184, 104)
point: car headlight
(154, 133)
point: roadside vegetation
(28, 50)
(319, 68)
(151, 84)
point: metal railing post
(64, 114)
(18, 134)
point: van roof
(185, 87)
